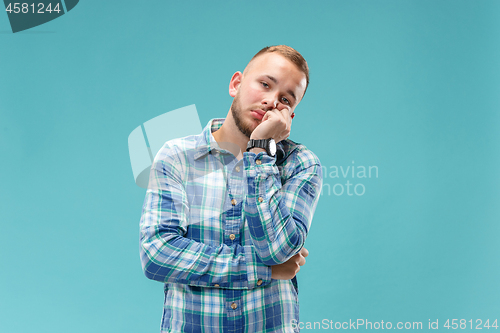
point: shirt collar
(206, 141)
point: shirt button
(216, 285)
(260, 199)
(233, 202)
(258, 162)
(237, 169)
(232, 237)
(234, 306)
(259, 282)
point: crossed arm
(278, 218)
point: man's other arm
(279, 216)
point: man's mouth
(258, 114)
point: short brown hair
(290, 54)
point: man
(227, 212)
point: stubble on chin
(239, 122)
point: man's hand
(275, 124)
(289, 269)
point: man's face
(270, 81)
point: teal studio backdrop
(409, 88)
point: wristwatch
(268, 144)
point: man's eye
(265, 85)
(285, 100)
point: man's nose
(271, 101)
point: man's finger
(286, 112)
(266, 116)
(304, 252)
(281, 112)
(302, 261)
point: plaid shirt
(213, 225)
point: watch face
(272, 147)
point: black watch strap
(257, 144)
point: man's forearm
(176, 259)
(278, 215)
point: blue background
(411, 87)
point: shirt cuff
(258, 164)
(258, 273)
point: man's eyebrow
(272, 78)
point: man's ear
(235, 83)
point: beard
(236, 112)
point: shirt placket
(234, 202)
(234, 309)
(233, 172)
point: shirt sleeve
(279, 215)
(167, 256)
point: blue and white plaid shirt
(213, 225)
